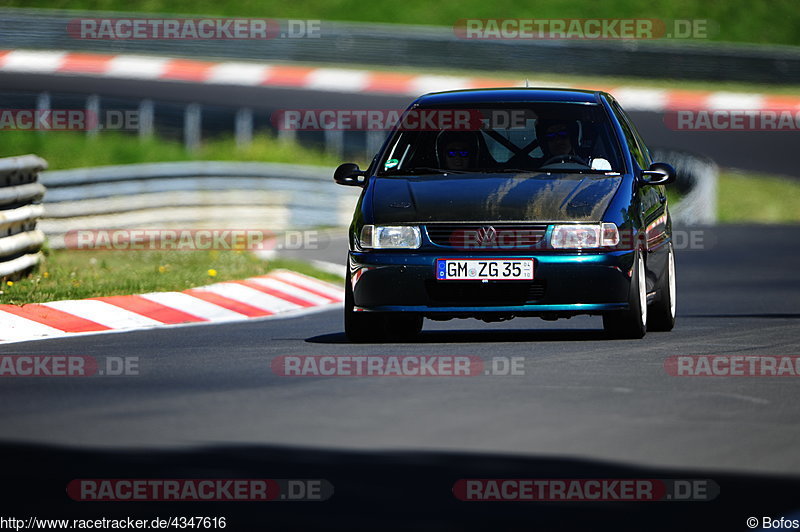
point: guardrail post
(192, 123)
(42, 104)
(244, 127)
(92, 118)
(146, 119)
(334, 142)
(373, 144)
(288, 136)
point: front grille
(486, 236)
(479, 294)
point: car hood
(481, 197)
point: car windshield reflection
(540, 137)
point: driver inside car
(558, 139)
(458, 150)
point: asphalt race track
(206, 403)
(756, 151)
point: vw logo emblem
(486, 236)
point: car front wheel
(631, 323)
(662, 312)
(377, 326)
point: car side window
(635, 145)
(640, 141)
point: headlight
(584, 236)
(390, 237)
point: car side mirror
(658, 174)
(348, 174)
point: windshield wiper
(544, 170)
(577, 171)
(428, 170)
(550, 171)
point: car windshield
(496, 138)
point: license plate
(484, 269)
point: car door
(653, 198)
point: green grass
(753, 198)
(67, 149)
(74, 274)
(774, 21)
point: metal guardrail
(268, 196)
(194, 122)
(431, 46)
(20, 208)
(233, 195)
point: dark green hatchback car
(496, 203)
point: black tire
(358, 326)
(661, 316)
(377, 326)
(631, 323)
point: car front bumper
(564, 284)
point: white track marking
(290, 290)
(238, 74)
(137, 66)
(302, 280)
(16, 328)
(103, 313)
(425, 84)
(641, 99)
(251, 296)
(29, 61)
(734, 101)
(194, 306)
(339, 80)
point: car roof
(518, 94)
